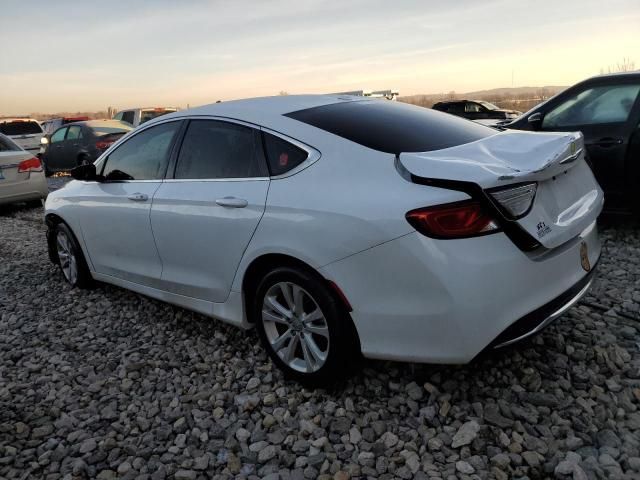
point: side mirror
(535, 120)
(86, 172)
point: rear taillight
(30, 165)
(516, 201)
(103, 144)
(453, 220)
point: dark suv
(476, 110)
(606, 109)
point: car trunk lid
(567, 198)
(9, 162)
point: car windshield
(146, 115)
(489, 106)
(20, 127)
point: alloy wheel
(68, 262)
(295, 327)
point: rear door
(115, 223)
(204, 217)
(606, 117)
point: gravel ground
(108, 384)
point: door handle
(608, 142)
(232, 202)
(138, 197)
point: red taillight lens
(453, 220)
(30, 165)
(103, 144)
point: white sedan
(339, 227)
(21, 175)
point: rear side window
(74, 132)
(144, 156)
(393, 127)
(214, 149)
(282, 156)
(20, 128)
(146, 115)
(128, 117)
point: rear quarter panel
(349, 200)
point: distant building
(388, 94)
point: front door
(204, 218)
(603, 113)
(117, 228)
(55, 151)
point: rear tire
(83, 159)
(305, 330)
(47, 172)
(70, 257)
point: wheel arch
(261, 265)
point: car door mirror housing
(86, 172)
(535, 120)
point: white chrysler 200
(338, 226)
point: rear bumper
(536, 321)
(32, 189)
(444, 301)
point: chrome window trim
(132, 133)
(234, 179)
(313, 155)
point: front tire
(70, 257)
(307, 333)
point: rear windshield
(20, 128)
(6, 145)
(393, 127)
(102, 131)
(146, 115)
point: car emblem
(584, 257)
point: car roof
(144, 108)
(632, 74)
(261, 109)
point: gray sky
(86, 55)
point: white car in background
(338, 226)
(26, 132)
(21, 175)
(138, 116)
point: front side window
(470, 107)
(74, 132)
(282, 155)
(596, 105)
(144, 156)
(214, 149)
(59, 135)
